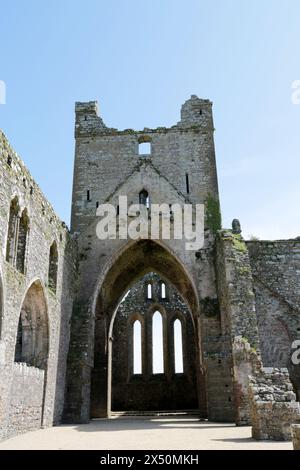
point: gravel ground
(143, 433)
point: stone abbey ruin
(70, 303)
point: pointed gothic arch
(21, 242)
(32, 339)
(53, 266)
(12, 230)
(135, 260)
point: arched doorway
(132, 263)
(153, 350)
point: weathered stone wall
(276, 272)
(296, 436)
(106, 157)
(107, 165)
(149, 391)
(44, 228)
(238, 316)
(273, 404)
(26, 400)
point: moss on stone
(213, 214)
(239, 243)
(243, 270)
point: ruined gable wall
(105, 157)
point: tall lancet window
(178, 347)
(144, 198)
(157, 344)
(137, 347)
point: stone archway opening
(153, 350)
(132, 264)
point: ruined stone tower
(70, 302)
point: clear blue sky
(141, 60)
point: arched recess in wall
(12, 231)
(132, 263)
(22, 241)
(53, 267)
(32, 340)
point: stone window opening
(187, 182)
(144, 198)
(12, 234)
(144, 148)
(22, 241)
(88, 196)
(157, 344)
(53, 267)
(163, 292)
(178, 347)
(149, 291)
(137, 347)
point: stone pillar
(238, 315)
(79, 366)
(296, 436)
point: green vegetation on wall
(212, 214)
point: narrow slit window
(137, 347)
(12, 231)
(144, 198)
(163, 290)
(187, 182)
(157, 344)
(149, 291)
(22, 241)
(53, 267)
(88, 195)
(178, 347)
